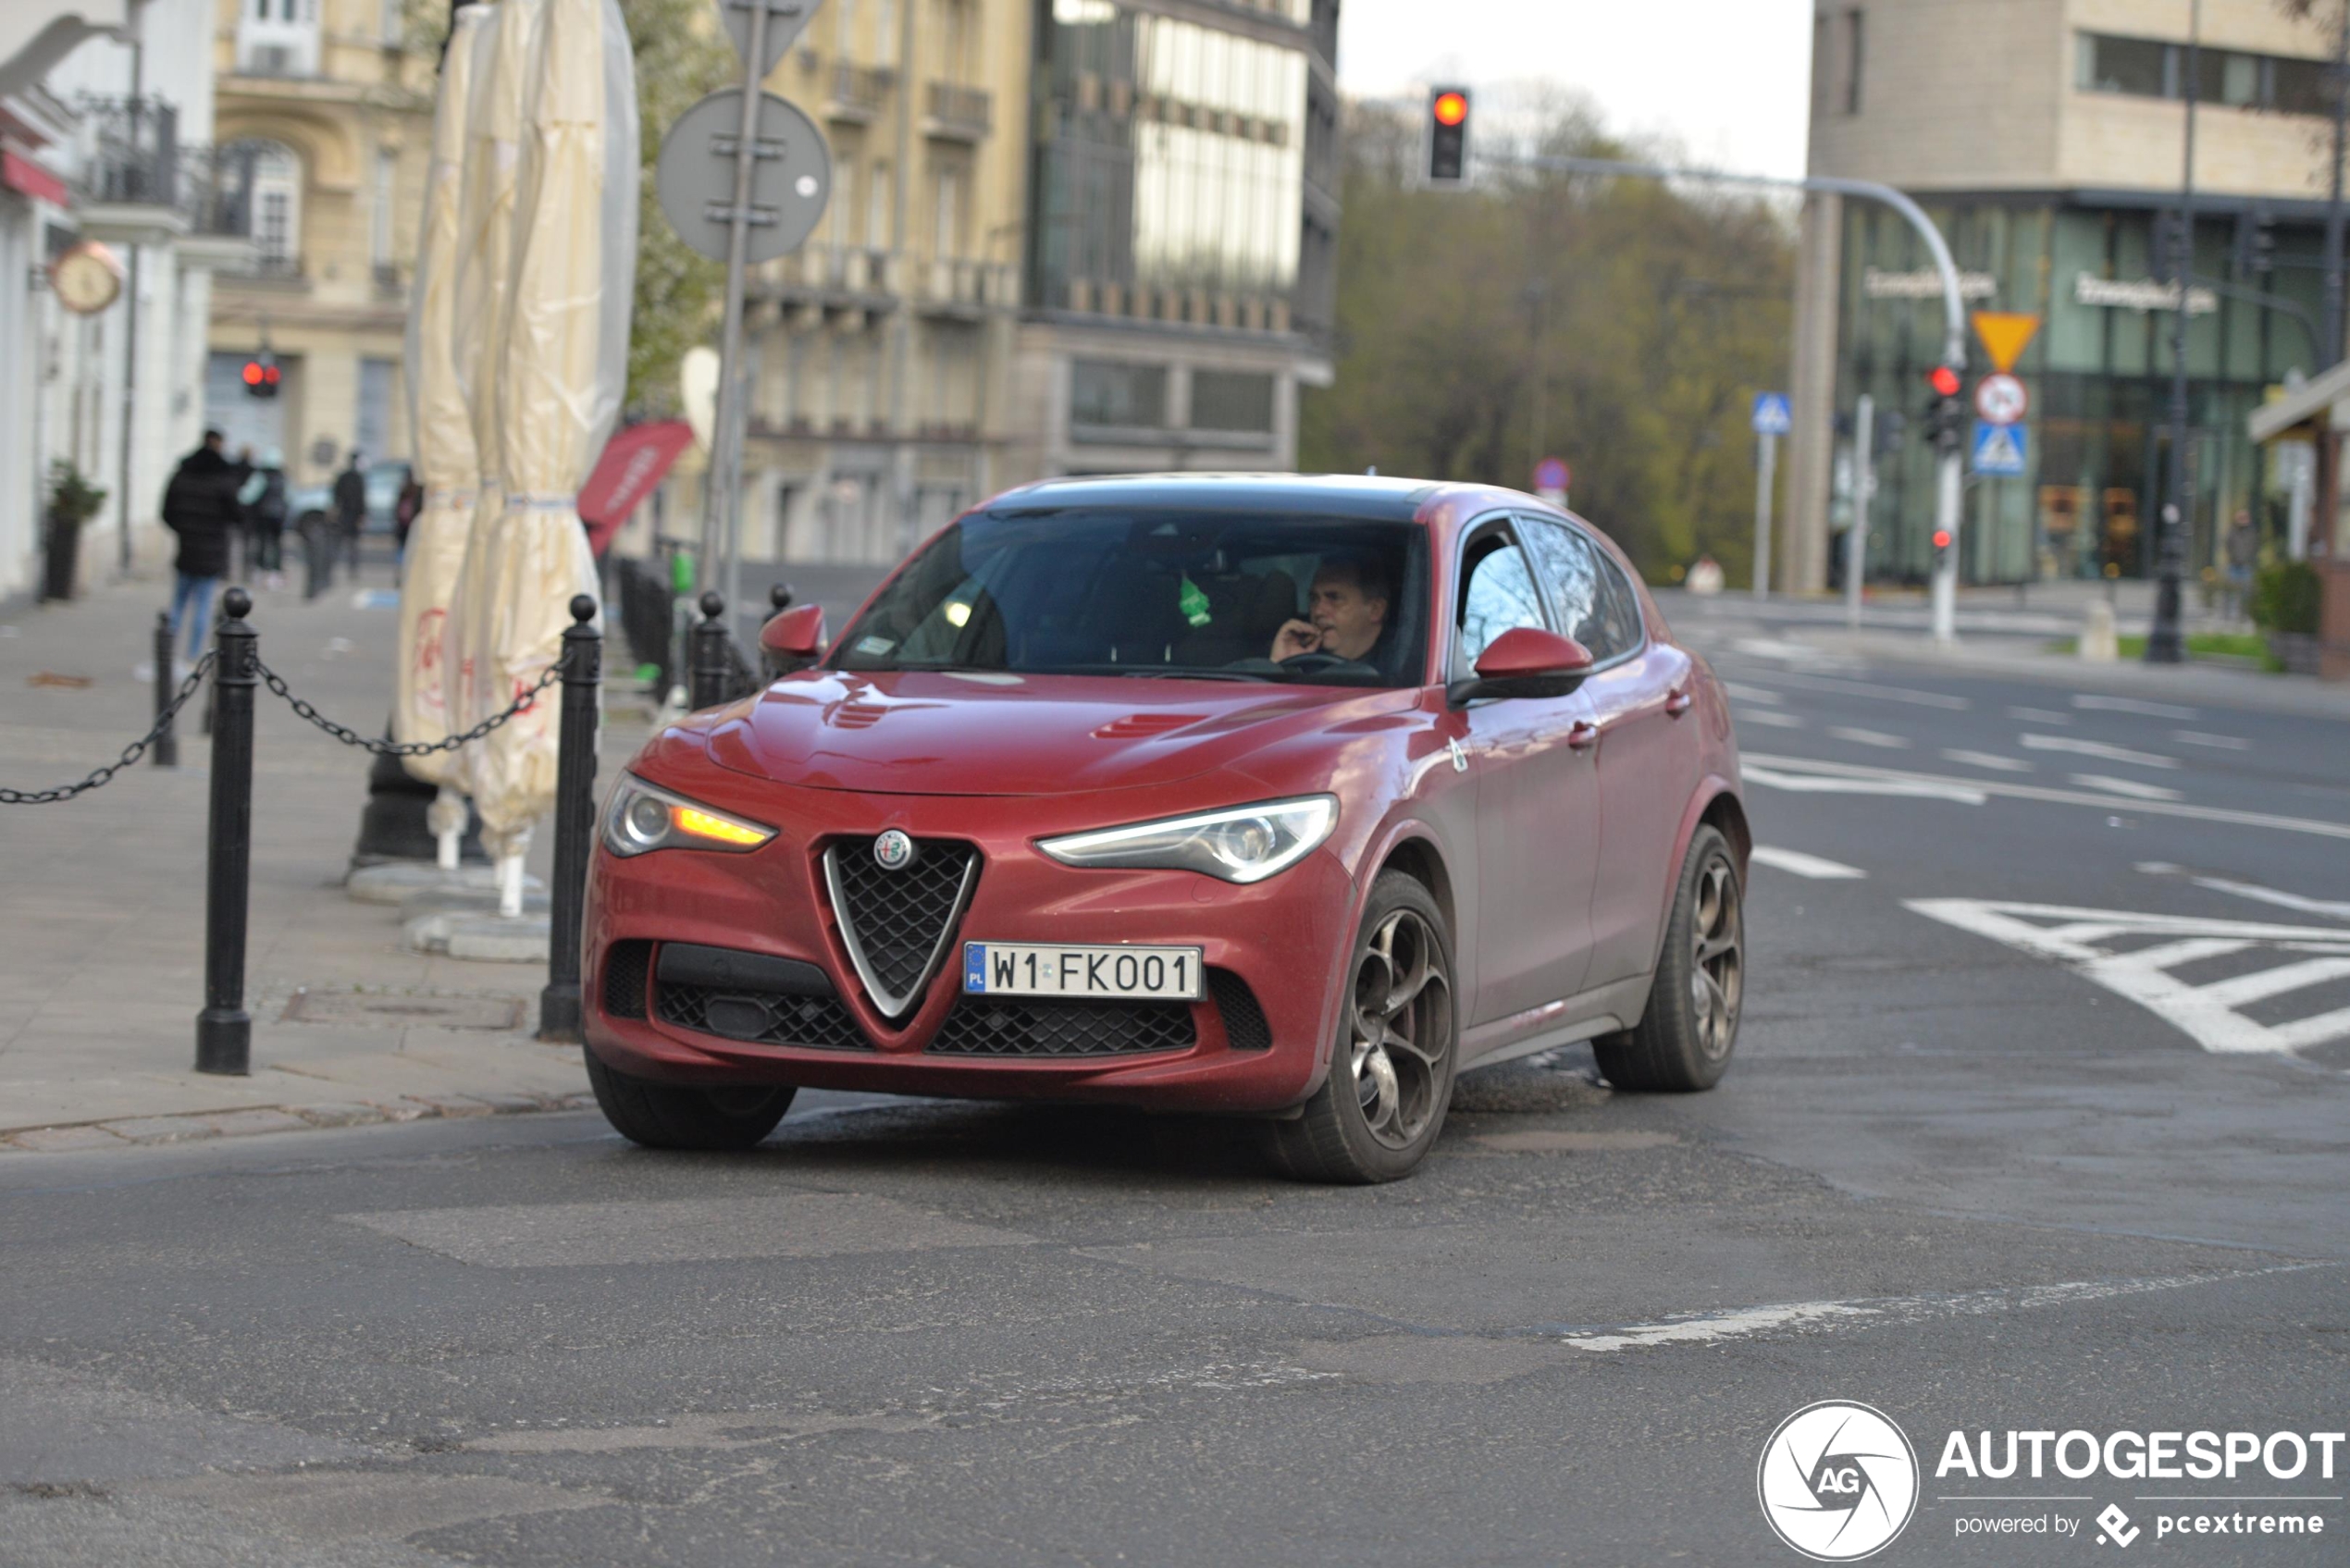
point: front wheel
(1378, 1113)
(1684, 1040)
(670, 1115)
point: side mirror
(794, 639)
(1525, 661)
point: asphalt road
(2038, 1123)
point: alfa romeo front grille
(899, 925)
(1007, 1025)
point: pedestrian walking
(2242, 546)
(266, 508)
(200, 505)
(351, 509)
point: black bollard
(166, 750)
(710, 678)
(224, 1030)
(317, 564)
(779, 600)
(583, 656)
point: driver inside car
(1346, 611)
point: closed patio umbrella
(559, 389)
(446, 462)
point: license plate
(1020, 969)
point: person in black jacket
(200, 505)
(265, 505)
(351, 509)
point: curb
(133, 1132)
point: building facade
(106, 136)
(1065, 235)
(2048, 143)
(324, 114)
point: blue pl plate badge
(974, 966)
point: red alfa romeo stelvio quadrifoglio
(1273, 797)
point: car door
(1646, 757)
(1537, 808)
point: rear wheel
(1684, 1040)
(1379, 1112)
(670, 1115)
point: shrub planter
(61, 553)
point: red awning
(635, 461)
(26, 178)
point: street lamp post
(2165, 645)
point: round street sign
(1551, 473)
(791, 176)
(2000, 399)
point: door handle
(1583, 736)
(1678, 702)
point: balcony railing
(858, 92)
(960, 112)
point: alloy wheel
(1401, 1028)
(1717, 934)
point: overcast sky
(1727, 78)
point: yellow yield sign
(2004, 334)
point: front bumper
(1284, 939)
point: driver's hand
(1297, 637)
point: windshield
(1158, 593)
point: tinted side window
(1499, 595)
(1588, 597)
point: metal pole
(2164, 643)
(1856, 537)
(1762, 477)
(166, 750)
(2329, 351)
(708, 675)
(224, 1030)
(721, 502)
(130, 319)
(559, 1004)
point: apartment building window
(382, 247)
(276, 204)
(1855, 53)
(372, 420)
(877, 234)
(1231, 400)
(277, 37)
(844, 27)
(886, 33)
(2150, 68)
(949, 239)
(1130, 397)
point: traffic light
(260, 375)
(1945, 416)
(1448, 124)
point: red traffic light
(1944, 380)
(1942, 538)
(1450, 108)
(254, 373)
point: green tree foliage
(1622, 325)
(680, 56)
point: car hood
(928, 733)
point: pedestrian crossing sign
(1998, 449)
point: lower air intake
(987, 1026)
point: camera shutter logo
(1838, 1481)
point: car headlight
(641, 818)
(1243, 844)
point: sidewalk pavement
(101, 910)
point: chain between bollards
(582, 665)
(224, 1030)
(166, 749)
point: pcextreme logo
(1838, 1481)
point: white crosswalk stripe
(2101, 945)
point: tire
(1683, 1041)
(1381, 1109)
(669, 1116)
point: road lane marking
(2095, 748)
(1739, 691)
(1771, 763)
(1700, 1329)
(2130, 787)
(1990, 759)
(2218, 743)
(1877, 738)
(1804, 865)
(2132, 705)
(1872, 689)
(1771, 720)
(2254, 891)
(1815, 784)
(2039, 716)
(2084, 941)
